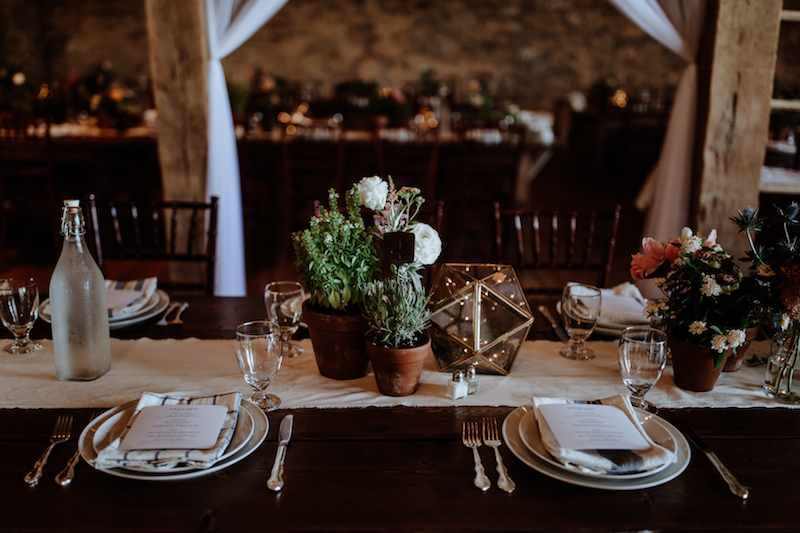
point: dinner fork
(491, 437)
(64, 477)
(170, 308)
(181, 309)
(61, 433)
(471, 438)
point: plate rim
(162, 303)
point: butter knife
(275, 481)
(736, 488)
(553, 322)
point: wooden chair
(412, 162)
(549, 249)
(27, 188)
(160, 233)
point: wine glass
(19, 307)
(284, 302)
(642, 356)
(258, 352)
(580, 309)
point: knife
(556, 326)
(737, 488)
(284, 435)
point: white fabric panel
(230, 23)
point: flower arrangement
(706, 304)
(336, 257)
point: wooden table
(395, 469)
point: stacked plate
(251, 430)
(152, 308)
(521, 433)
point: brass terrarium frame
(480, 317)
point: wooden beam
(178, 51)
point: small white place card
(171, 427)
(592, 427)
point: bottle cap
(458, 376)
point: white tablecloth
(29, 381)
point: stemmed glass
(580, 309)
(19, 307)
(642, 356)
(258, 352)
(284, 303)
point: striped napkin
(158, 460)
(604, 461)
(127, 297)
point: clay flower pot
(734, 362)
(397, 370)
(338, 342)
(693, 366)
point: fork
(64, 477)
(471, 438)
(177, 319)
(61, 433)
(491, 437)
(171, 307)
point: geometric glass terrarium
(480, 318)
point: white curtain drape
(677, 24)
(230, 23)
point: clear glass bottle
(78, 305)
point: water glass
(258, 352)
(19, 307)
(580, 309)
(642, 356)
(284, 303)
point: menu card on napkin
(170, 427)
(590, 426)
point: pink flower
(673, 250)
(642, 265)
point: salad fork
(470, 436)
(64, 477)
(491, 437)
(181, 309)
(170, 308)
(61, 433)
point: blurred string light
(425, 120)
(619, 98)
(295, 118)
(44, 92)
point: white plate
(44, 309)
(511, 434)
(161, 304)
(108, 431)
(260, 430)
(529, 433)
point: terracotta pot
(693, 366)
(397, 370)
(734, 362)
(338, 342)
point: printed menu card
(592, 427)
(168, 427)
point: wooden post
(178, 45)
(735, 76)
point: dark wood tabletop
(394, 469)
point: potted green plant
(396, 307)
(335, 258)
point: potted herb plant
(335, 258)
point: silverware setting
(181, 309)
(275, 481)
(61, 433)
(733, 484)
(558, 328)
(64, 477)
(491, 437)
(471, 437)
(170, 308)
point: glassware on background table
(284, 303)
(580, 309)
(642, 356)
(258, 351)
(19, 307)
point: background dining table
(392, 469)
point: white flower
(719, 343)
(710, 286)
(736, 338)
(427, 243)
(372, 192)
(697, 327)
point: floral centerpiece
(775, 260)
(705, 303)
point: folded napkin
(603, 461)
(623, 305)
(128, 297)
(112, 456)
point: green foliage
(336, 257)
(396, 310)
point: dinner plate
(260, 430)
(529, 432)
(44, 309)
(511, 434)
(113, 426)
(162, 301)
